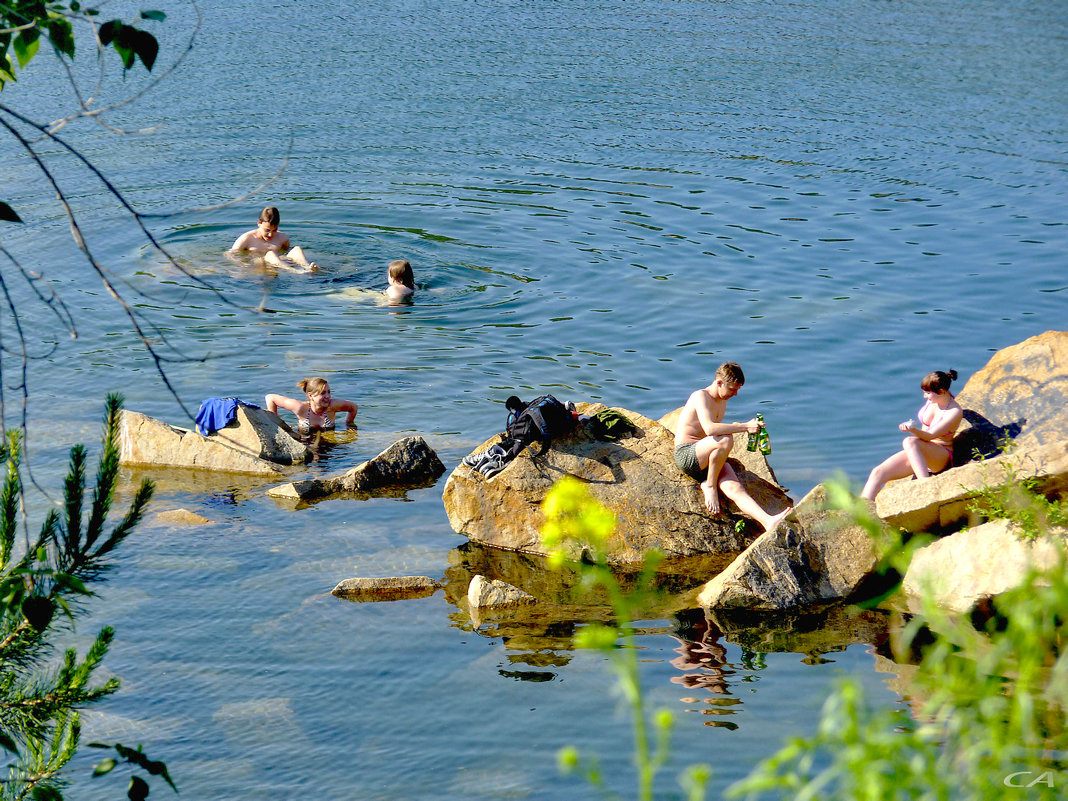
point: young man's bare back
(703, 442)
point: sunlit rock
(407, 462)
(815, 556)
(184, 516)
(263, 434)
(944, 501)
(484, 592)
(143, 440)
(957, 571)
(1020, 394)
(656, 506)
(386, 589)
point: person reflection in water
(266, 242)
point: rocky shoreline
(1014, 431)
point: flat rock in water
(655, 504)
(407, 462)
(143, 440)
(184, 516)
(386, 589)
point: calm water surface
(603, 200)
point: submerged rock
(962, 569)
(409, 461)
(386, 589)
(656, 506)
(184, 516)
(815, 556)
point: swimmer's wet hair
(314, 385)
(731, 373)
(270, 215)
(938, 381)
(400, 270)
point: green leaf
(61, 35)
(26, 45)
(105, 766)
(159, 16)
(7, 743)
(146, 47)
(73, 583)
(6, 212)
(109, 31)
(75, 6)
(138, 790)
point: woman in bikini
(318, 411)
(929, 448)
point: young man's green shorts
(686, 459)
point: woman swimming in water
(318, 411)
(401, 280)
(929, 448)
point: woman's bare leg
(924, 456)
(897, 466)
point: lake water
(603, 200)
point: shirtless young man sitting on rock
(703, 442)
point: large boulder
(263, 434)
(814, 556)
(143, 440)
(1019, 395)
(958, 571)
(656, 506)
(407, 462)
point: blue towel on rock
(216, 413)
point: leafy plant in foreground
(988, 711)
(575, 532)
(41, 576)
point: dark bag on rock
(541, 420)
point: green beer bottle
(765, 440)
(754, 439)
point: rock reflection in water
(538, 638)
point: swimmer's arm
(345, 406)
(275, 402)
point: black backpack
(543, 419)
